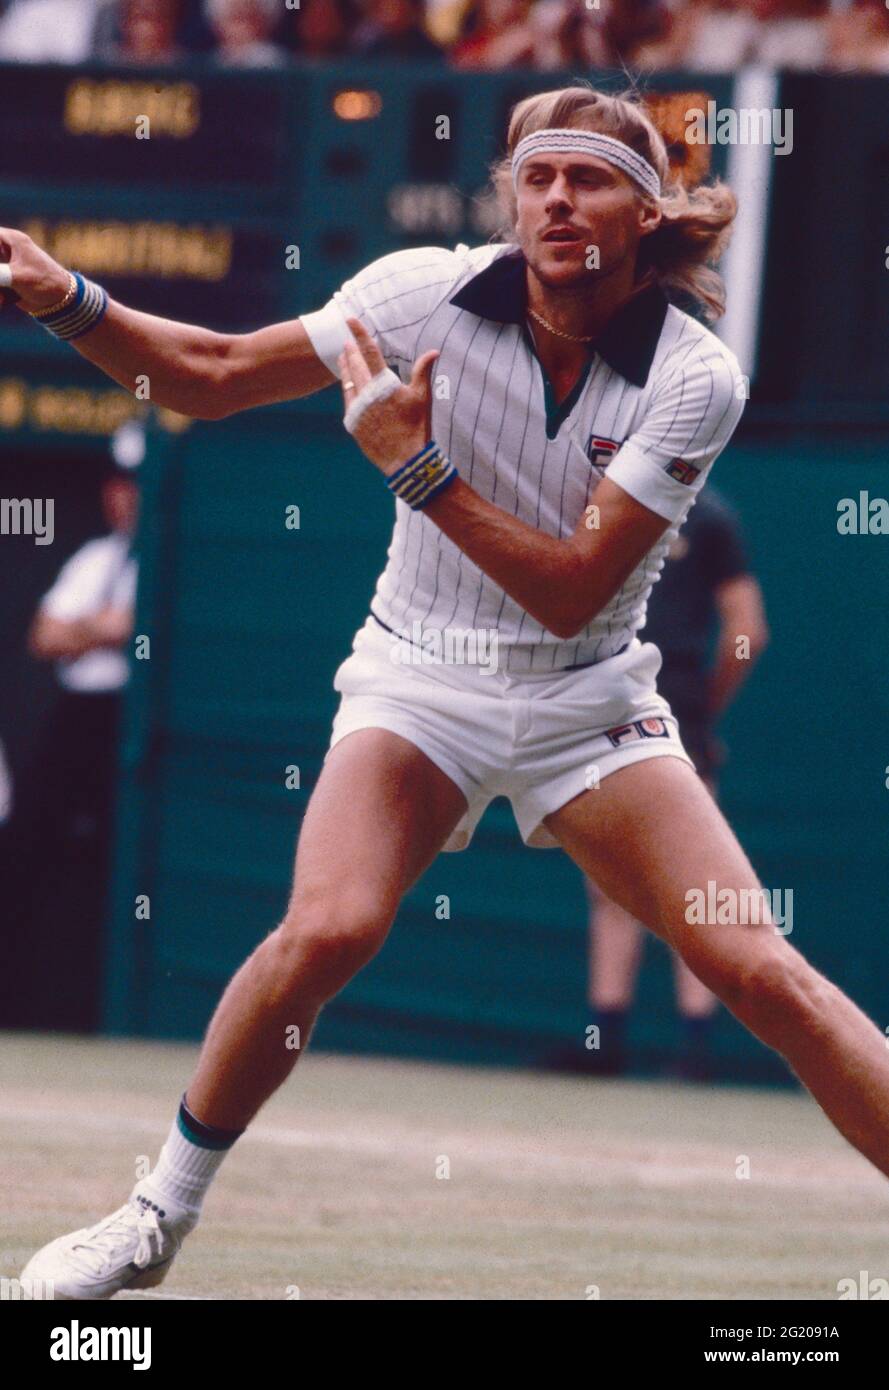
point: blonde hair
(695, 226)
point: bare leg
(615, 952)
(652, 831)
(615, 949)
(377, 818)
(695, 1000)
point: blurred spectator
(58, 841)
(568, 33)
(322, 28)
(554, 34)
(444, 20)
(395, 29)
(704, 36)
(495, 34)
(632, 25)
(86, 617)
(792, 33)
(49, 31)
(142, 31)
(721, 35)
(546, 35)
(858, 38)
(244, 31)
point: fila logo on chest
(600, 451)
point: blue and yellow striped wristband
(423, 477)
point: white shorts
(539, 739)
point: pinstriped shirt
(656, 404)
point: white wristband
(377, 389)
(328, 333)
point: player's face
(577, 217)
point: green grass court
(555, 1184)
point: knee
(324, 940)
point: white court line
(601, 1164)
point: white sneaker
(130, 1249)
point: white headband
(558, 141)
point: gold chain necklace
(558, 332)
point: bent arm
(742, 615)
(62, 639)
(564, 584)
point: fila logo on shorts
(639, 728)
(683, 472)
(601, 451)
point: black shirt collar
(628, 342)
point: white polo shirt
(99, 574)
(658, 403)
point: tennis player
(549, 422)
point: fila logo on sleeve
(683, 472)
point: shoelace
(105, 1237)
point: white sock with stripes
(188, 1162)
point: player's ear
(649, 215)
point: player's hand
(37, 281)
(392, 430)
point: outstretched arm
(189, 369)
